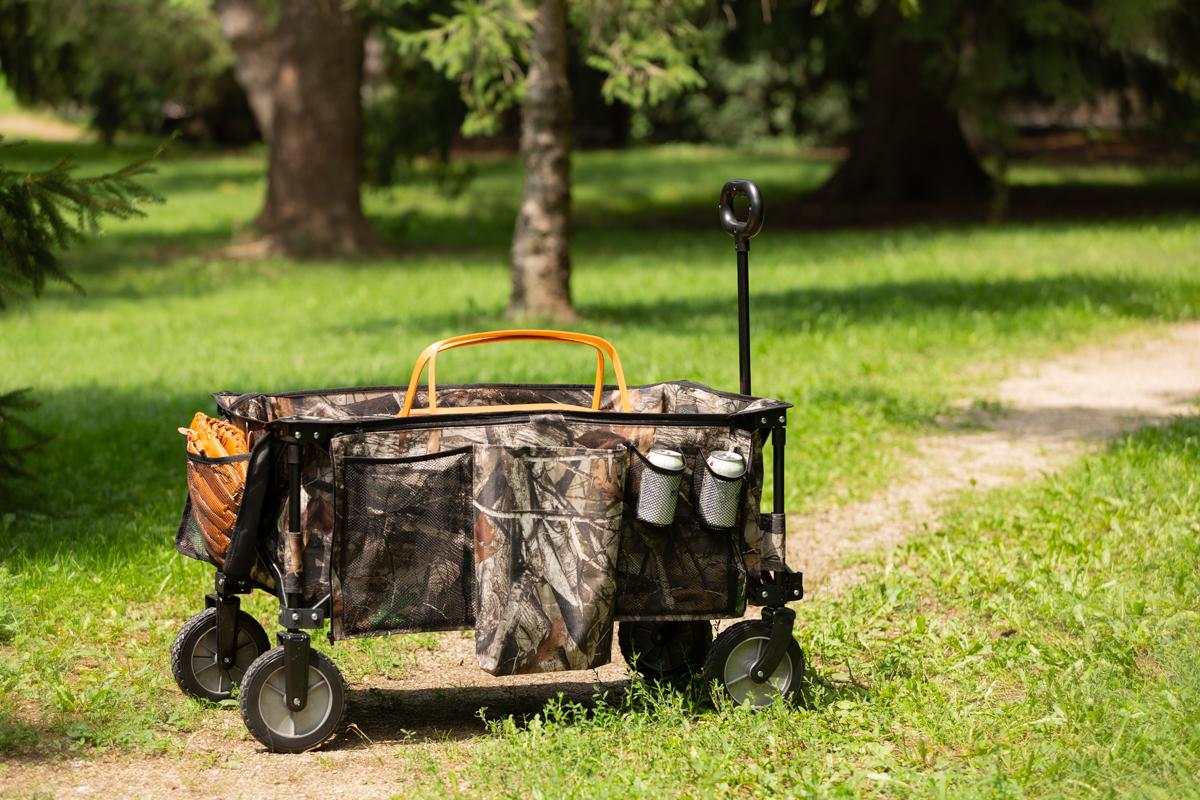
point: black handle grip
(741, 230)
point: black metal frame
(783, 586)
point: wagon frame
(355, 441)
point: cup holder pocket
(654, 487)
(718, 498)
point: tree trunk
(245, 26)
(541, 247)
(312, 61)
(910, 147)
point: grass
(871, 333)
(8, 102)
(1044, 644)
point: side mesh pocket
(684, 571)
(651, 490)
(404, 560)
(547, 531)
(215, 487)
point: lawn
(1043, 644)
(871, 333)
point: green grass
(1043, 644)
(871, 333)
(8, 102)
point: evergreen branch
(45, 212)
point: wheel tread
(714, 664)
(252, 685)
(181, 665)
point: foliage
(483, 46)
(873, 333)
(799, 70)
(17, 437)
(1058, 53)
(776, 70)
(1061, 53)
(410, 109)
(41, 214)
(646, 49)
(126, 63)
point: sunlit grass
(1043, 644)
(871, 333)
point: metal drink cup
(726, 463)
(659, 490)
(719, 488)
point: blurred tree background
(928, 100)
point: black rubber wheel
(194, 655)
(669, 651)
(736, 650)
(265, 711)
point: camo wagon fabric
(403, 562)
(547, 528)
(389, 512)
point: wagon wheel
(263, 701)
(194, 660)
(665, 650)
(737, 650)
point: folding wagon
(537, 515)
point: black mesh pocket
(681, 571)
(405, 558)
(653, 491)
(189, 539)
(718, 498)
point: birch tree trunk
(541, 246)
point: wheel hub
(286, 722)
(743, 687)
(208, 669)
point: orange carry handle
(429, 356)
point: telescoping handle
(429, 356)
(742, 231)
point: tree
(507, 51)
(301, 64)
(126, 63)
(41, 214)
(934, 60)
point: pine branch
(43, 213)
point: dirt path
(40, 127)
(1049, 414)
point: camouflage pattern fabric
(547, 529)
(680, 397)
(404, 559)
(681, 572)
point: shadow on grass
(459, 712)
(816, 308)
(464, 712)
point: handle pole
(743, 290)
(742, 231)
